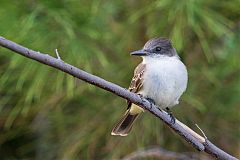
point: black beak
(139, 53)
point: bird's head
(156, 48)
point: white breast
(165, 80)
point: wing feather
(137, 80)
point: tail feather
(124, 126)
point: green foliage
(48, 114)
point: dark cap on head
(162, 42)
(155, 47)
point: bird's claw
(140, 95)
(152, 102)
(173, 119)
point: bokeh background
(47, 114)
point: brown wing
(137, 80)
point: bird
(161, 78)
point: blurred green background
(47, 114)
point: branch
(189, 135)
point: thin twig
(111, 87)
(58, 57)
(202, 132)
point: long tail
(124, 126)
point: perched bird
(161, 78)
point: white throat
(159, 58)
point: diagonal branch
(185, 132)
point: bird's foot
(173, 119)
(152, 102)
(140, 95)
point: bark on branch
(197, 141)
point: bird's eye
(158, 49)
